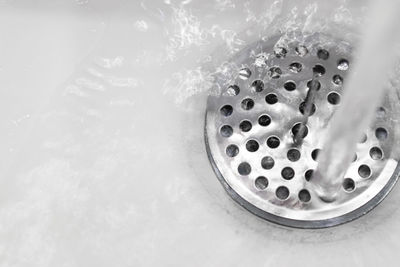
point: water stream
(363, 94)
(103, 161)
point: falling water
(308, 109)
(363, 94)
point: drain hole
(226, 110)
(257, 86)
(252, 145)
(364, 171)
(244, 168)
(264, 120)
(267, 162)
(314, 154)
(380, 112)
(304, 195)
(280, 52)
(301, 50)
(290, 86)
(376, 153)
(233, 90)
(323, 54)
(318, 84)
(295, 67)
(333, 98)
(245, 126)
(247, 104)
(293, 155)
(226, 131)
(271, 99)
(275, 72)
(232, 151)
(282, 193)
(337, 79)
(287, 173)
(308, 175)
(381, 134)
(244, 73)
(349, 185)
(343, 64)
(261, 183)
(303, 105)
(319, 70)
(296, 129)
(363, 138)
(273, 142)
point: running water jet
(308, 108)
(363, 94)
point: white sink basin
(103, 160)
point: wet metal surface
(251, 135)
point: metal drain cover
(250, 126)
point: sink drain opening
(250, 129)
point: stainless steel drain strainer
(250, 127)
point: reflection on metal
(250, 129)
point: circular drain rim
(309, 223)
(305, 224)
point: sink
(103, 159)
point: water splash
(188, 83)
(187, 32)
